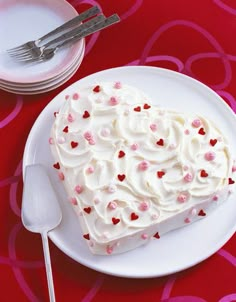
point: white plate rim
(42, 83)
(46, 87)
(142, 69)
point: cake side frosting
(133, 171)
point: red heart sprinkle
(56, 166)
(134, 216)
(231, 181)
(137, 109)
(201, 213)
(86, 236)
(115, 220)
(74, 144)
(203, 173)
(66, 129)
(88, 210)
(157, 236)
(160, 142)
(121, 154)
(160, 174)
(146, 106)
(121, 177)
(202, 131)
(86, 114)
(213, 142)
(97, 88)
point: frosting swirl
(136, 166)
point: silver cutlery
(40, 212)
(69, 24)
(37, 51)
(44, 53)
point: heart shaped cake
(133, 171)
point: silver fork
(69, 24)
(37, 51)
(48, 53)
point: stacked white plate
(25, 20)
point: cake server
(40, 212)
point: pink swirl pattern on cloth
(93, 291)
(13, 192)
(228, 298)
(164, 17)
(17, 272)
(188, 63)
(225, 7)
(13, 114)
(227, 256)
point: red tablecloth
(193, 37)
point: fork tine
(14, 49)
(20, 54)
(27, 59)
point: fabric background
(196, 38)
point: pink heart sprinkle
(186, 131)
(88, 135)
(234, 169)
(210, 156)
(61, 176)
(134, 147)
(153, 127)
(187, 220)
(112, 205)
(144, 206)
(144, 236)
(70, 118)
(92, 142)
(188, 177)
(182, 198)
(144, 165)
(196, 123)
(109, 250)
(75, 96)
(90, 170)
(215, 197)
(51, 141)
(117, 85)
(113, 101)
(73, 201)
(78, 189)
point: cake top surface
(128, 164)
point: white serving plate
(179, 249)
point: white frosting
(131, 173)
